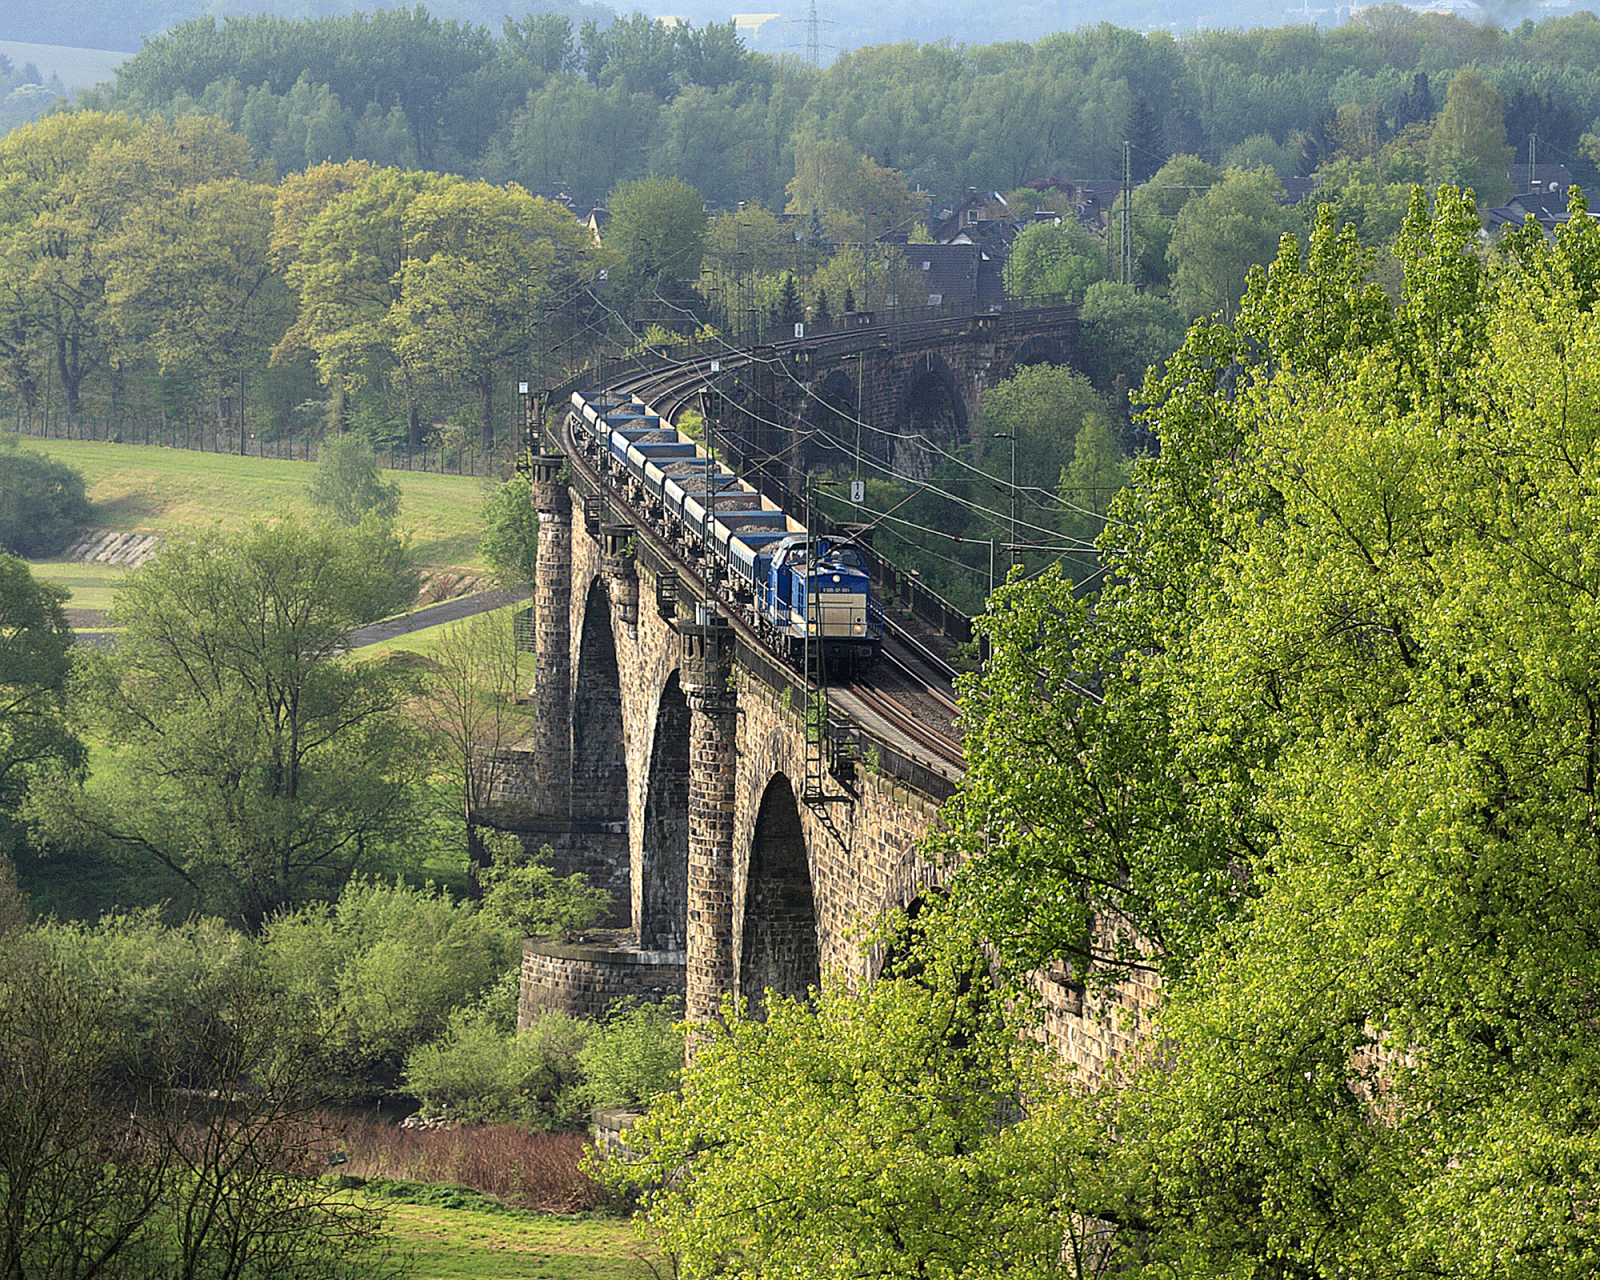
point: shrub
(479, 1074)
(540, 904)
(42, 502)
(635, 1056)
(391, 962)
(160, 975)
(347, 484)
(540, 1171)
(510, 540)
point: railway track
(904, 720)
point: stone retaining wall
(586, 979)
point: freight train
(792, 587)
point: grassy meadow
(470, 1244)
(173, 491)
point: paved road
(431, 615)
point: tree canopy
(246, 757)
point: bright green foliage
(34, 731)
(527, 895)
(347, 486)
(1325, 752)
(634, 1057)
(480, 1073)
(1049, 259)
(1365, 199)
(510, 540)
(479, 262)
(1468, 145)
(1220, 236)
(160, 974)
(385, 965)
(35, 160)
(1091, 483)
(245, 756)
(42, 502)
(893, 1130)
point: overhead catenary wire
(1044, 495)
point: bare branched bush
(541, 1171)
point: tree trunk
(479, 860)
(413, 423)
(71, 371)
(486, 410)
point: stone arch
(780, 949)
(932, 416)
(664, 846)
(599, 758)
(831, 418)
(1041, 348)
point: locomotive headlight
(836, 577)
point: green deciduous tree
(42, 501)
(1220, 236)
(526, 893)
(468, 700)
(1045, 408)
(347, 485)
(245, 755)
(479, 263)
(657, 232)
(893, 1130)
(346, 271)
(192, 282)
(1155, 207)
(34, 162)
(199, 1163)
(1468, 145)
(77, 235)
(34, 732)
(1348, 618)
(384, 966)
(859, 200)
(1125, 334)
(1050, 258)
(510, 540)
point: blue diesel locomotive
(793, 587)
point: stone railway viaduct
(669, 757)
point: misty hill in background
(98, 24)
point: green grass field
(466, 1244)
(92, 585)
(173, 491)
